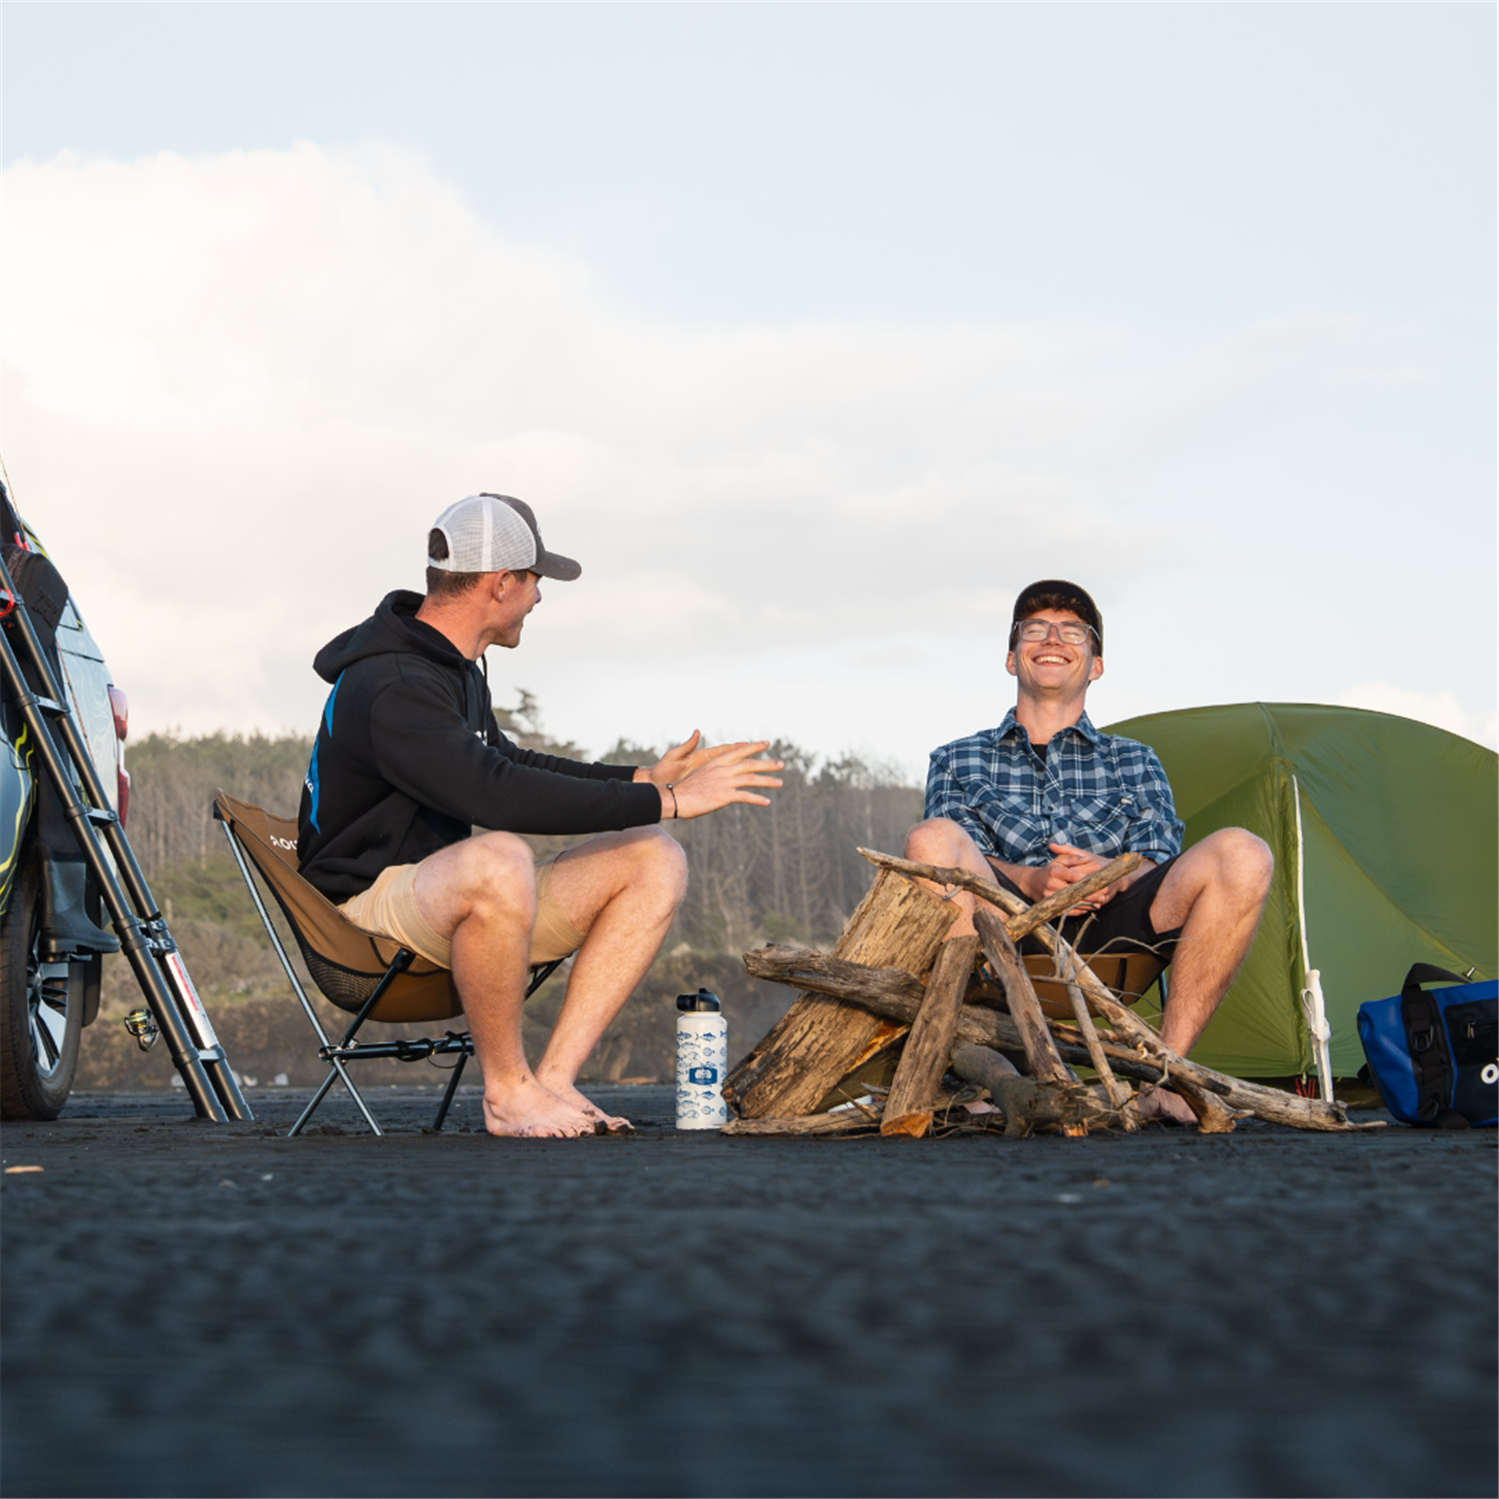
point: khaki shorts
(388, 909)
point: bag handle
(1430, 1058)
(1428, 973)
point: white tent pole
(1313, 1005)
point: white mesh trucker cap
(490, 533)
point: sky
(813, 331)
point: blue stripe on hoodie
(313, 784)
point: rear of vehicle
(51, 944)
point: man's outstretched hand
(715, 777)
(681, 760)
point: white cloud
(238, 387)
(1439, 708)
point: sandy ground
(193, 1309)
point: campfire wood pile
(895, 981)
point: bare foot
(528, 1109)
(1154, 1102)
(570, 1096)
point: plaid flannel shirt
(1095, 791)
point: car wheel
(41, 1009)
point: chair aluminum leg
(403, 960)
(451, 1090)
(539, 975)
(399, 964)
(335, 1062)
(335, 1072)
(337, 1069)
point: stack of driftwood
(961, 1020)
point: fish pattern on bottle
(702, 1060)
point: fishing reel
(142, 1025)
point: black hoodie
(408, 758)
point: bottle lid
(702, 1000)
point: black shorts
(1123, 925)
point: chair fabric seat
(1127, 975)
(345, 961)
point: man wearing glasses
(1045, 800)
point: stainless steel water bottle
(702, 1060)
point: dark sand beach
(193, 1309)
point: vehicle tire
(41, 1008)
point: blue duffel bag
(1435, 1057)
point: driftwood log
(1024, 918)
(1043, 1061)
(897, 996)
(1025, 1008)
(1214, 1117)
(982, 1066)
(1027, 1104)
(1060, 902)
(1097, 992)
(1021, 1106)
(1264, 1103)
(837, 1122)
(1118, 1096)
(796, 1067)
(928, 1049)
(893, 993)
(814, 1045)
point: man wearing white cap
(408, 758)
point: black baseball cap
(1058, 593)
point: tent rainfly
(1384, 834)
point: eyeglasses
(1069, 632)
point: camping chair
(373, 978)
(1128, 975)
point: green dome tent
(1384, 832)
